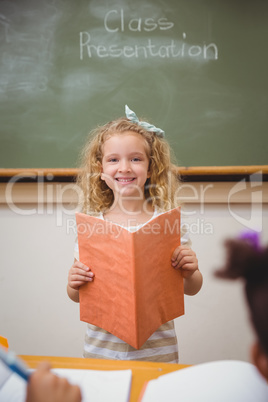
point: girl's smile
(125, 180)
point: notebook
(95, 385)
(219, 381)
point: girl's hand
(184, 258)
(79, 274)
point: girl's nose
(124, 166)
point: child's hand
(184, 258)
(45, 386)
(79, 274)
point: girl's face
(125, 163)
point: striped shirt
(162, 346)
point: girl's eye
(136, 159)
(112, 160)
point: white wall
(215, 325)
(37, 251)
(36, 315)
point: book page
(5, 373)
(95, 385)
(221, 381)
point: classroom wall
(37, 251)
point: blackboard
(196, 68)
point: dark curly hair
(249, 261)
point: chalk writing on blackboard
(141, 47)
(135, 24)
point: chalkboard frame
(187, 174)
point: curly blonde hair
(160, 187)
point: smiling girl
(127, 178)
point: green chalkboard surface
(196, 68)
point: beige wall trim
(196, 192)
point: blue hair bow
(147, 126)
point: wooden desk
(141, 371)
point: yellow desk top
(141, 371)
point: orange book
(135, 288)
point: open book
(95, 385)
(135, 289)
(219, 381)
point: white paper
(96, 385)
(14, 389)
(222, 381)
(5, 373)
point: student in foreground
(228, 380)
(127, 178)
(248, 260)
